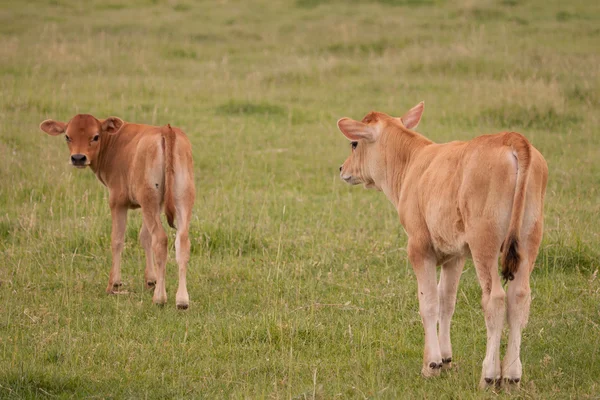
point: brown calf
(478, 199)
(142, 166)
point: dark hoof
(114, 288)
(182, 306)
(491, 382)
(512, 381)
(447, 360)
(434, 365)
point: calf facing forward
(142, 166)
(482, 198)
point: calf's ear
(112, 125)
(355, 130)
(413, 116)
(52, 127)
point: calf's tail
(169, 146)
(511, 255)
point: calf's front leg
(119, 223)
(424, 265)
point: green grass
(300, 285)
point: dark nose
(340, 169)
(78, 159)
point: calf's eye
(96, 138)
(354, 144)
(68, 139)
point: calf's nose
(340, 169)
(78, 159)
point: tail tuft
(510, 258)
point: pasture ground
(300, 285)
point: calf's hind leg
(182, 243)
(151, 217)
(493, 304)
(519, 300)
(146, 241)
(182, 249)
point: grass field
(300, 285)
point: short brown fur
(143, 167)
(458, 200)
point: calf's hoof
(182, 300)
(446, 363)
(511, 383)
(113, 288)
(489, 382)
(431, 370)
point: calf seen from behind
(482, 198)
(145, 167)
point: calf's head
(366, 163)
(83, 134)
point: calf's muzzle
(78, 159)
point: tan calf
(142, 166)
(481, 199)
